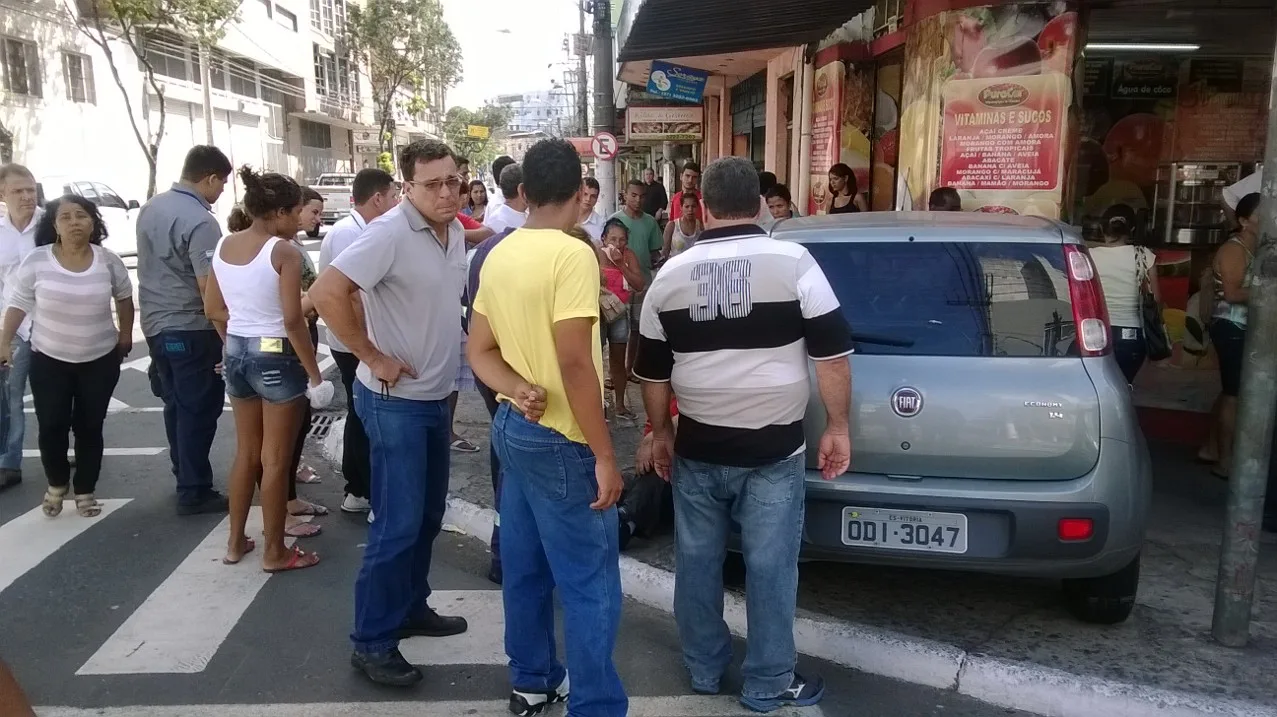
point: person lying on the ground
(13, 703)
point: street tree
(135, 23)
(407, 47)
(479, 150)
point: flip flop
(311, 479)
(464, 446)
(314, 509)
(304, 530)
(299, 560)
(249, 545)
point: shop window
(315, 135)
(77, 73)
(21, 67)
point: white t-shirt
(594, 227)
(338, 239)
(1233, 193)
(14, 247)
(503, 217)
(1121, 276)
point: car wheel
(313, 233)
(734, 569)
(1105, 600)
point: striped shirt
(71, 318)
(730, 323)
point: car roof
(924, 226)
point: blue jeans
(551, 537)
(768, 504)
(408, 451)
(193, 396)
(13, 420)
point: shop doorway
(749, 118)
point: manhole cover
(321, 424)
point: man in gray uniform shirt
(176, 236)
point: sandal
(626, 415)
(299, 560)
(87, 506)
(52, 503)
(249, 544)
(310, 508)
(307, 476)
(303, 530)
(464, 446)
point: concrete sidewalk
(1005, 641)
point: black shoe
(433, 625)
(386, 668)
(801, 693)
(527, 704)
(214, 502)
(494, 573)
(9, 477)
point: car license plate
(915, 530)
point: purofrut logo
(1006, 94)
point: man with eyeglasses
(410, 265)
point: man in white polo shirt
(373, 193)
(17, 239)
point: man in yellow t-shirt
(534, 341)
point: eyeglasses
(433, 186)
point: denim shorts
(618, 331)
(274, 377)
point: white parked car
(120, 215)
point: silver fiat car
(991, 428)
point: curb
(1004, 683)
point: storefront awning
(658, 29)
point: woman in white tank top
(1124, 271)
(254, 299)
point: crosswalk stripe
(483, 643)
(35, 452)
(681, 706)
(160, 637)
(32, 537)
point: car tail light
(1073, 529)
(1090, 313)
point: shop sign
(477, 131)
(1003, 134)
(1097, 77)
(826, 127)
(1148, 78)
(674, 82)
(1222, 112)
(665, 124)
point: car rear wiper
(881, 340)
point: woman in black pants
(67, 286)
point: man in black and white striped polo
(727, 329)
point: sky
(507, 44)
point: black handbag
(1156, 342)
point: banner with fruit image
(987, 103)
(826, 125)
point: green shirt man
(646, 239)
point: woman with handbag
(621, 275)
(1128, 277)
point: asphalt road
(131, 614)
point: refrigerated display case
(1188, 206)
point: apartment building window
(315, 135)
(328, 16)
(168, 61)
(77, 73)
(286, 18)
(267, 5)
(324, 70)
(21, 67)
(243, 78)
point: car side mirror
(134, 205)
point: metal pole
(583, 79)
(207, 83)
(604, 103)
(1252, 449)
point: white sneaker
(370, 516)
(354, 504)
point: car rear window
(952, 299)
